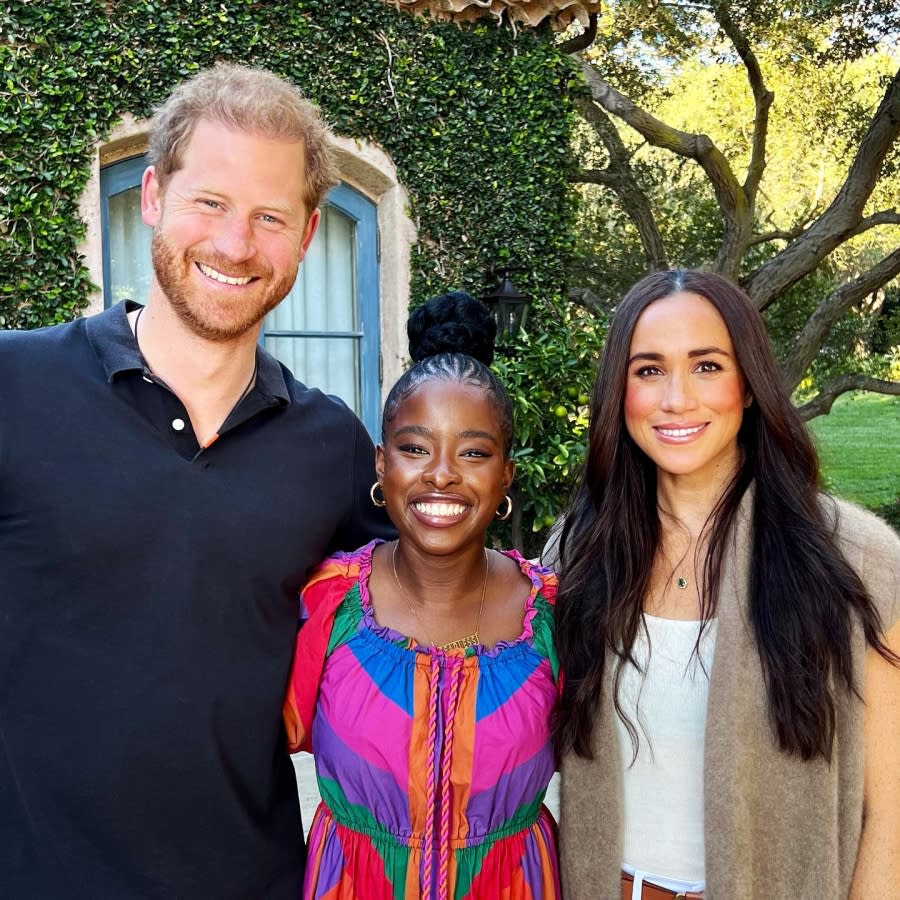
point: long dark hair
(804, 596)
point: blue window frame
(126, 240)
(327, 330)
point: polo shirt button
(178, 424)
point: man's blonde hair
(248, 100)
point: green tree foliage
(759, 140)
(549, 381)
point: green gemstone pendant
(682, 583)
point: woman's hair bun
(452, 323)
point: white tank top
(663, 789)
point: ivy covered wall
(475, 120)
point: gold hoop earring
(375, 500)
(509, 509)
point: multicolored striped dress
(432, 765)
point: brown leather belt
(655, 892)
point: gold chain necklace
(469, 640)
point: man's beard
(205, 317)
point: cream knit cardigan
(776, 828)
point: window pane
(323, 299)
(331, 364)
(129, 248)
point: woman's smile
(443, 466)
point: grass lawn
(859, 446)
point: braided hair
(451, 338)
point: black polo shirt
(148, 609)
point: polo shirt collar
(113, 341)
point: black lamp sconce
(509, 306)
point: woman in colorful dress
(729, 634)
(425, 674)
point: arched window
(326, 331)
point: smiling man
(165, 485)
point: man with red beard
(165, 485)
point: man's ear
(312, 226)
(151, 198)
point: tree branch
(821, 404)
(654, 130)
(596, 176)
(774, 236)
(883, 217)
(621, 179)
(832, 308)
(584, 40)
(588, 300)
(842, 217)
(762, 101)
(699, 147)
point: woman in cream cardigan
(730, 720)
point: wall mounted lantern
(509, 306)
